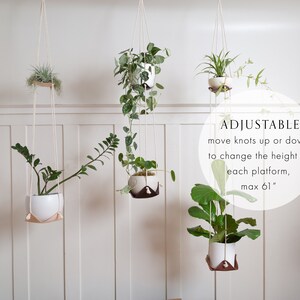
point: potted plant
(223, 231)
(217, 65)
(137, 72)
(43, 76)
(143, 183)
(47, 205)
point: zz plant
(138, 99)
(211, 209)
(46, 176)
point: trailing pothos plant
(218, 64)
(138, 99)
(47, 176)
(211, 208)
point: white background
(87, 35)
(109, 247)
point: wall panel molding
(112, 247)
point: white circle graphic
(257, 135)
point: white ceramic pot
(151, 73)
(216, 252)
(44, 207)
(216, 82)
(137, 183)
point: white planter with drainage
(216, 253)
(43, 207)
(216, 82)
(151, 73)
(137, 183)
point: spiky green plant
(44, 74)
(217, 64)
(48, 174)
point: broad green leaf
(258, 76)
(138, 88)
(92, 167)
(242, 194)
(250, 233)
(151, 103)
(150, 47)
(219, 169)
(134, 116)
(173, 176)
(144, 76)
(157, 70)
(153, 93)
(36, 162)
(125, 190)
(199, 231)
(155, 50)
(159, 59)
(159, 86)
(231, 224)
(249, 221)
(120, 157)
(203, 194)
(123, 59)
(128, 140)
(199, 213)
(218, 238)
(148, 164)
(210, 209)
(154, 164)
(127, 107)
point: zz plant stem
(107, 147)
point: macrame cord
(43, 23)
(144, 39)
(219, 33)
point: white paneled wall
(112, 247)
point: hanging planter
(221, 84)
(218, 66)
(150, 70)
(138, 71)
(223, 230)
(144, 74)
(222, 257)
(43, 76)
(44, 208)
(142, 186)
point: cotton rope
(141, 20)
(219, 25)
(43, 21)
(138, 18)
